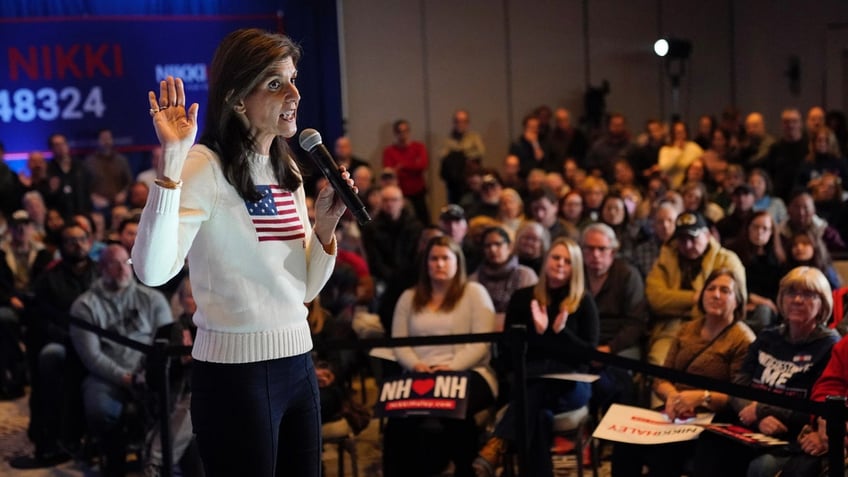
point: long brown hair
(747, 251)
(424, 287)
(237, 67)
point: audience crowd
(710, 252)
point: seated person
(443, 302)
(331, 392)
(812, 439)
(786, 359)
(117, 303)
(532, 241)
(803, 218)
(714, 346)
(761, 252)
(807, 250)
(56, 373)
(500, 273)
(562, 325)
(673, 285)
(23, 258)
(733, 223)
(619, 292)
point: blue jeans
(545, 398)
(260, 419)
(104, 406)
(766, 465)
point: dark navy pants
(259, 419)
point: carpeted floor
(14, 418)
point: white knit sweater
(250, 293)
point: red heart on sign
(423, 386)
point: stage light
(674, 53)
(673, 48)
(661, 47)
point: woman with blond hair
(562, 325)
(593, 190)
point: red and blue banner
(78, 75)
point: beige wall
(421, 59)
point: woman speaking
(234, 205)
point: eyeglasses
(806, 295)
(494, 244)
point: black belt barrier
(833, 410)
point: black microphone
(310, 141)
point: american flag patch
(274, 215)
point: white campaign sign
(635, 425)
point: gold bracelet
(168, 183)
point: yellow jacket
(662, 285)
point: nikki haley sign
(77, 75)
(439, 394)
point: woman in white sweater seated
(443, 302)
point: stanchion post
(518, 345)
(161, 363)
(835, 415)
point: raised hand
(175, 127)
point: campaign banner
(635, 425)
(439, 394)
(78, 75)
(746, 436)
